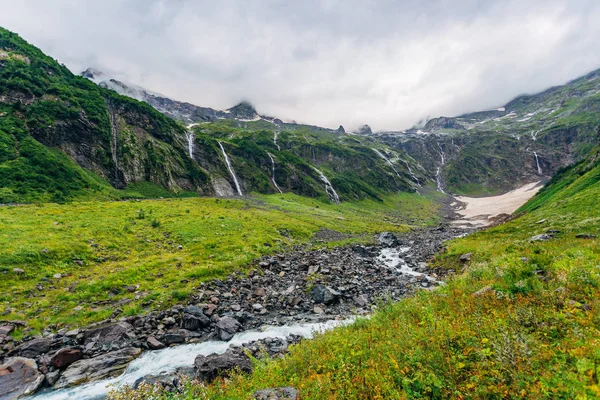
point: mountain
(64, 137)
(490, 152)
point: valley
(190, 252)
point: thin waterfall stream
(231, 171)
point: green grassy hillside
(520, 320)
(100, 248)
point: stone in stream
(226, 328)
(101, 367)
(279, 393)
(65, 357)
(154, 344)
(322, 294)
(387, 239)
(19, 377)
(210, 367)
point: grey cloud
(388, 63)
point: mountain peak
(243, 110)
(365, 130)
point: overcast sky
(385, 63)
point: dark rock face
(34, 348)
(227, 327)
(92, 369)
(387, 239)
(280, 393)
(341, 129)
(442, 123)
(244, 110)
(65, 357)
(19, 377)
(322, 294)
(214, 365)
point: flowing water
(331, 193)
(231, 171)
(190, 141)
(438, 174)
(273, 174)
(168, 360)
(380, 154)
(537, 162)
(393, 259)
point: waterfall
(190, 141)
(537, 162)
(411, 173)
(331, 193)
(114, 130)
(273, 175)
(231, 171)
(438, 180)
(380, 154)
(438, 174)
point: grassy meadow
(140, 255)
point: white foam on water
(168, 360)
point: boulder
(585, 236)
(154, 344)
(175, 337)
(227, 327)
(19, 377)
(387, 239)
(465, 257)
(6, 329)
(108, 334)
(101, 367)
(540, 238)
(322, 294)
(34, 348)
(65, 357)
(214, 365)
(194, 322)
(280, 393)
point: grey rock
(19, 377)
(540, 238)
(52, 377)
(585, 236)
(108, 334)
(6, 329)
(93, 369)
(194, 322)
(387, 239)
(227, 327)
(280, 393)
(170, 338)
(465, 257)
(154, 343)
(214, 365)
(324, 294)
(34, 348)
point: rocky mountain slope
(528, 139)
(65, 137)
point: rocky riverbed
(298, 287)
